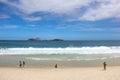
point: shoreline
(45, 61)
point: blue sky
(64, 19)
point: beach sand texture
(94, 73)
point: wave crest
(68, 50)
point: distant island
(38, 39)
(34, 39)
(57, 40)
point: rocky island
(57, 40)
(34, 39)
(38, 39)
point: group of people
(21, 64)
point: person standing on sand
(104, 65)
(56, 66)
(20, 64)
(23, 63)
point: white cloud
(115, 29)
(92, 29)
(94, 9)
(107, 9)
(55, 6)
(28, 18)
(10, 26)
(4, 16)
(80, 27)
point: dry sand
(94, 73)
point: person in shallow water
(104, 65)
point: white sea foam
(44, 59)
(68, 50)
(68, 59)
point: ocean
(65, 53)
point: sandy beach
(91, 73)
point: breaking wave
(68, 50)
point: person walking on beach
(104, 65)
(23, 63)
(56, 66)
(20, 64)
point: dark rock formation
(57, 40)
(34, 39)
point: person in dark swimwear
(104, 65)
(23, 63)
(20, 64)
(56, 66)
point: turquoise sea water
(64, 53)
(57, 44)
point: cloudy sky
(64, 19)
